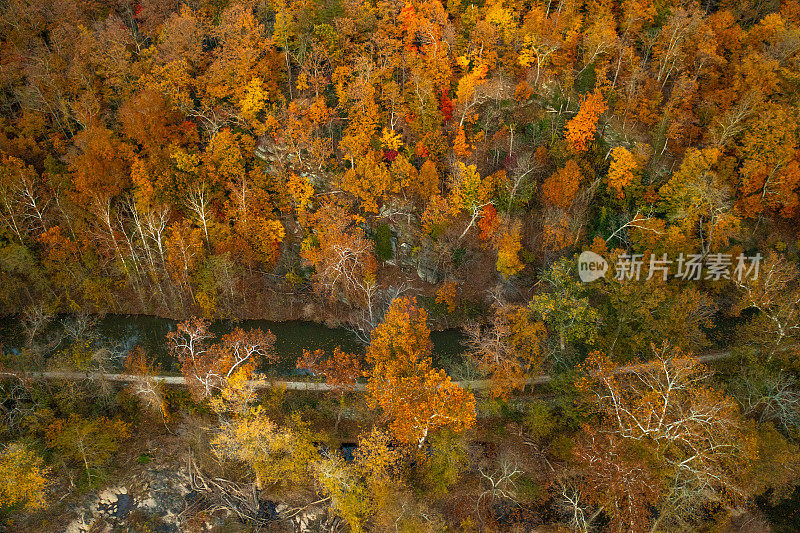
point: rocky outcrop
(158, 492)
(164, 496)
(428, 267)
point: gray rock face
(428, 268)
(115, 503)
(315, 518)
(166, 496)
(112, 505)
(162, 493)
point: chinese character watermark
(690, 267)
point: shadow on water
(124, 332)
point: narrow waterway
(121, 333)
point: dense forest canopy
(395, 167)
(189, 158)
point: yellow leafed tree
(23, 477)
(621, 174)
(273, 452)
(509, 246)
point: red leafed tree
(488, 223)
(446, 104)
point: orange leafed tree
(208, 366)
(344, 265)
(460, 146)
(557, 230)
(561, 187)
(415, 397)
(581, 128)
(341, 371)
(509, 349)
(770, 171)
(615, 479)
(100, 167)
(427, 182)
(447, 294)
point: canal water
(121, 333)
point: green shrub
(538, 422)
(383, 242)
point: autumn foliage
(509, 350)
(209, 365)
(25, 477)
(666, 410)
(392, 168)
(580, 130)
(561, 187)
(621, 172)
(415, 397)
